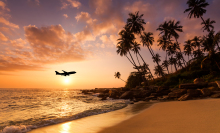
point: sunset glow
(39, 37)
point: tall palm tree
(166, 65)
(164, 29)
(135, 23)
(123, 52)
(174, 28)
(197, 9)
(208, 24)
(126, 41)
(188, 48)
(118, 75)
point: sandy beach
(193, 116)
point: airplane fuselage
(65, 73)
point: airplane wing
(73, 72)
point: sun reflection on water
(65, 127)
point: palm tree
(196, 8)
(118, 75)
(156, 58)
(166, 64)
(208, 24)
(165, 29)
(196, 42)
(126, 41)
(188, 48)
(179, 56)
(123, 52)
(136, 48)
(174, 28)
(173, 61)
(135, 23)
(163, 42)
(159, 71)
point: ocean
(22, 110)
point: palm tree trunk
(175, 67)
(145, 63)
(122, 80)
(168, 70)
(129, 60)
(138, 60)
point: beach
(193, 116)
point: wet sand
(194, 116)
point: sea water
(22, 110)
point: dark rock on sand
(188, 86)
(184, 97)
(206, 92)
(215, 95)
(193, 92)
(127, 95)
(177, 93)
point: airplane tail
(57, 73)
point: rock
(193, 92)
(164, 98)
(184, 97)
(212, 84)
(206, 92)
(162, 88)
(198, 81)
(150, 98)
(177, 93)
(153, 88)
(218, 83)
(141, 93)
(215, 95)
(188, 86)
(102, 95)
(213, 88)
(127, 95)
(104, 98)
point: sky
(39, 37)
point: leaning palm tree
(196, 42)
(135, 23)
(123, 52)
(126, 41)
(197, 9)
(173, 61)
(118, 75)
(156, 58)
(208, 25)
(164, 29)
(136, 49)
(166, 65)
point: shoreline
(192, 116)
(96, 123)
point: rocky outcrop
(188, 86)
(177, 93)
(193, 92)
(198, 81)
(127, 95)
(184, 97)
(215, 95)
(206, 92)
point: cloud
(3, 6)
(101, 6)
(72, 3)
(37, 2)
(3, 37)
(65, 15)
(6, 22)
(85, 17)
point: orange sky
(39, 37)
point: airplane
(65, 73)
